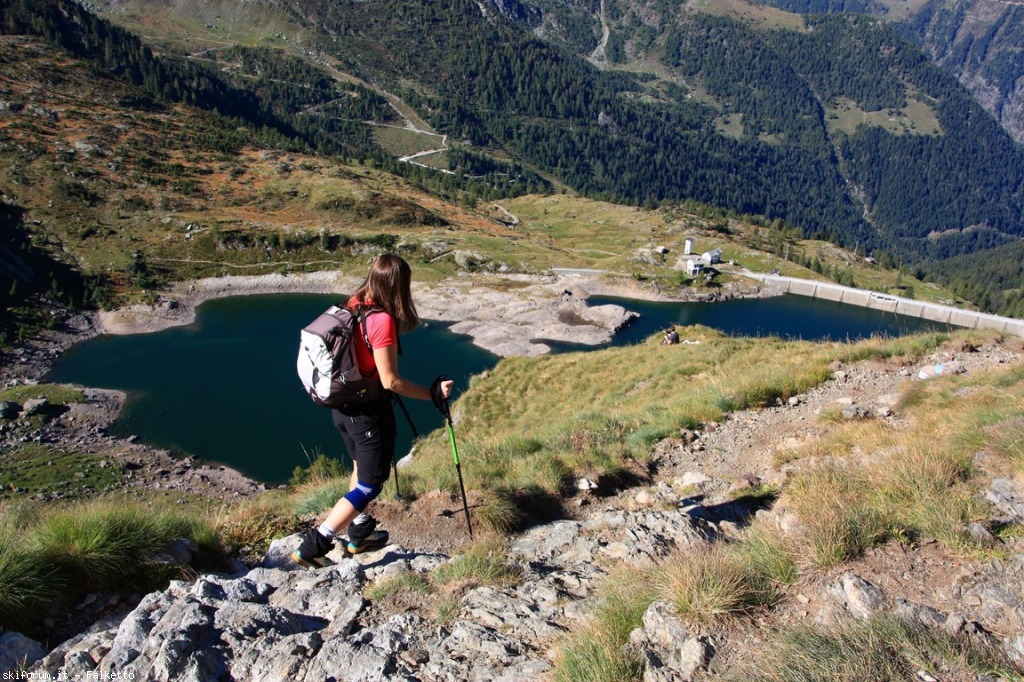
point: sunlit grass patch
(707, 584)
(920, 490)
(102, 542)
(1007, 439)
(837, 520)
(595, 651)
(247, 528)
(715, 582)
(537, 423)
(43, 468)
(321, 469)
(877, 347)
(446, 608)
(914, 480)
(486, 563)
(499, 510)
(315, 498)
(415, 583)
(53, 393)
(596, 655)
(106, 544)
(768, 558)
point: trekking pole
(441, 404)
(415, 436)
(458, 467)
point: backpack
(327, 363)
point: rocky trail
(278, 621)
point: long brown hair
(387, 286)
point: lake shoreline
(496, 310)
(490, 308)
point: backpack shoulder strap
(364, 312)
(361, 313)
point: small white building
(694, 266)
(688, 247)
(713, 256)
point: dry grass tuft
(881, 650)
(596, 652)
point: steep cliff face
(982, 42)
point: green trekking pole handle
(441, 403)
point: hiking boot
(365, 537)
(314, 546)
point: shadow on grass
(535, 508)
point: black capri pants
(369, 435)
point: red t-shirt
(382, 332)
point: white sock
(361, 519)
(325, 530)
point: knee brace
(363, 494)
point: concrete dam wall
(933, 312)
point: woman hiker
(369, 429)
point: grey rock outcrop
(667, 647)
(265, 625)
(275, 622)
(34, 406)
(523, 322)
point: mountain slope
(834, 125)
(920, 155)
(729, 112)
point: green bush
(485, 564)
(103, 543)
(24, 582)
(596, 651)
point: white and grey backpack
(327, 362)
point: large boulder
(18, 653)
(9, 410)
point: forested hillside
(931, 172)
(832, 124)
(993, 279)
(981, 42)
(283, 100)
(740, 119)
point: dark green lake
(225, 389)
